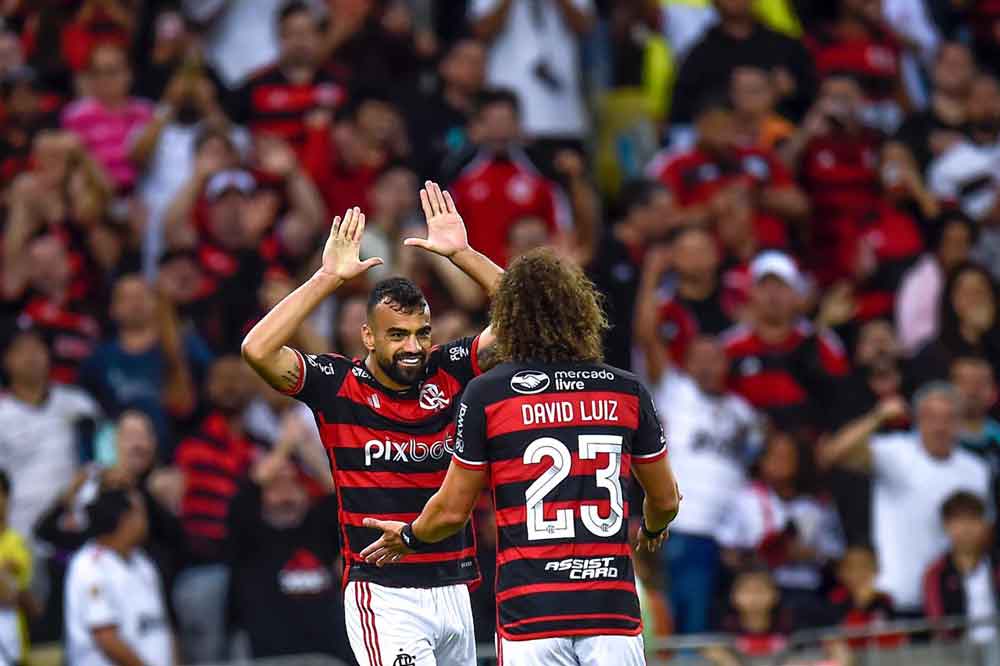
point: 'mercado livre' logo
(529, 381)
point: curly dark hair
(546, 310)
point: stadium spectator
(928, 133)
(975, 381)
(780, 364)
(107, 119)
(913, 474)
(115, 610)
(856, 603)
(713, 436)
(754, 100)
(42, 429)
(146, 365)
(277, 99)
(776, 519)
(27, 111)
(499, 184)
(17, 602)
(284, 563)
(239, 37)
(963, 582)
(918, 300)
(969, 326)
(702, 177)
(533, 51)
(214, 461)
(740, 40)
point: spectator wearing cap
(717, 168)
(533, 52)
(42, 428)
(965, 581)
(913, 473)
(740, 40)
(500, 184)
(215, 460)
(284, 561)
(930, 132)
(918, 301)
(780, 363)
(115, 610)
(277, 99)
(146, 365)
(107, 120)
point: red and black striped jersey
(389, 452)
(559, 442)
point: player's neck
(381, 377)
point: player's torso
(389, 454)
(560, 442)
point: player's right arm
(264, 348)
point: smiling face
(399, 341)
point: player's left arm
(451, 506)
(447, 236)
(652, 470)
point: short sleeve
(650, 442)
(459, 359)
(470, 432)
(98, 607)
(320, 377)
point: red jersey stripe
(516, 470)
(563, 410)
(425, 558)
(562, 551)
(357, 519)
(516, 515)
(565, 618)
(361, 479)
(541, 588)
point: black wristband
(410, 540)
(649, 533)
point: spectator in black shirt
(739, 40)
(930, 132)
(284, 559)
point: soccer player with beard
(386, 422)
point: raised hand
(341, 255)
(446, 233)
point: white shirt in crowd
(104, 589)
(758, 513)
(38, 448)
(536, 33)
(909, 488)
(980, 603)
(712, 438)
(243, 36)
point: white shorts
(409, 626)
(572, 651)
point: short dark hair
(935, 234)
(399, 293)
(490, 96)
(292, 7)
(105, 512)
(4, 482)
(962, 503)
(637, 193)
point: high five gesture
(341, 255)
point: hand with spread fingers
(389, 548)
(446, 233)
(341, 256)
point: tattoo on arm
(289, 379)
(486, 358)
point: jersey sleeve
(320, 377)
(470, 432)
(99, 609)
(650, 442)
(459, 358)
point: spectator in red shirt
(214, 461)
(107, 120)
(780, 364)
(500, 185)
(277, 99)
(700, 177)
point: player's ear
(367, 337)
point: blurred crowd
(791, 206)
